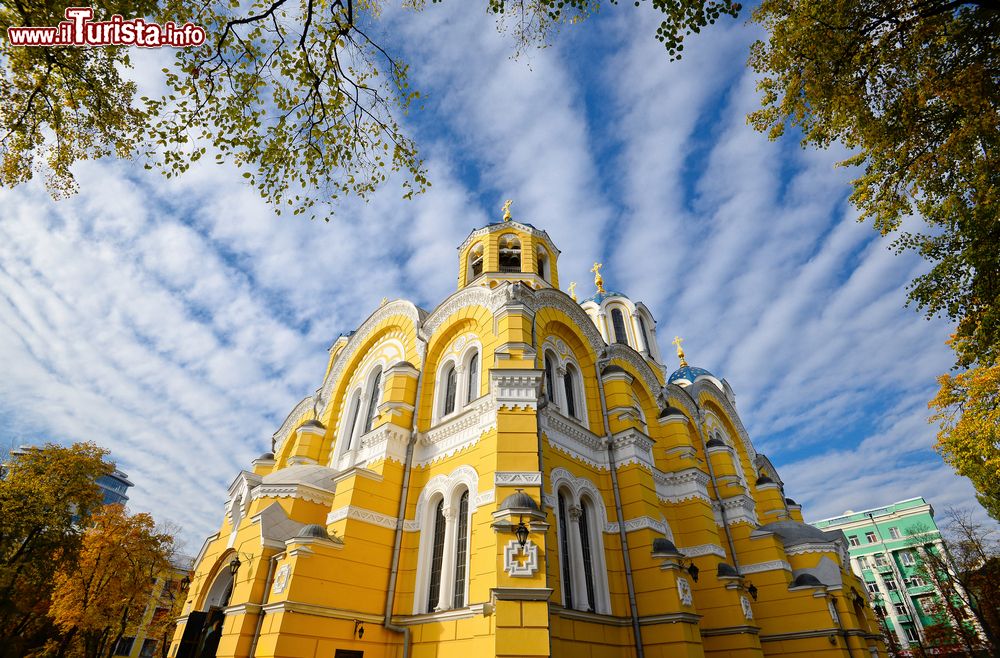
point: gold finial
(680, 352)
(598, 279)
(572, 290)
(506, 210)
(385, 300)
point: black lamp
(693, 570)
(359, 628)
(521, 531)
(234, 564)
(752, 591)
(185, 582)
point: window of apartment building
(890, 584)
(911, 633)
(880, 610)
(863, 562)
(148, 649)
(854, 540)
(872, 587)
(124, 647)
(880, 560)
(913, 581)
(900, 608)
(870, 536)
(906, 557)
(894, 533)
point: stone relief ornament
(747, 610)
(684, 591)
(280, 580)
(518, 562)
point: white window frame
(575, 490)
(906, 558)
(469, 274)
(853, 540)
(350, 437)
(461, 363)
(870, 537)
(561, 359)
(448, 488)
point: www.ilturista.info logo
(79, 30)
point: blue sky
(177, 322)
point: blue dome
(601, 296)
(689, 373)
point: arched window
(373, 401)
(645, 334)
(550, 378)
(569, 382)
(586, 514)
(472, 381)
(450, 388)
(567, 571)
(352, 420)
(437, 558)
(476, 261)
(619, 324)
(510, 253)
(461, 549)
(542, 260)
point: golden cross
(506, 210)
(572, 290)
(598, 279)
(385, 300)
(680, 352)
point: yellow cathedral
(517, 473)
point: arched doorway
(203, 629)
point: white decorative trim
(470, 296)
(458, 432)
(747, 608)
(515, 388)
(679, 486)
(294, 417)
(485, 498)
(298, 491)
(571, 438)
(515, 567)
(281, 577)
(758, 567)
(640, 523)
(639, 365)
(812, 547)
(517, 479)
(702, 549)
(684, 591)
(739, 509)
(361, 514)
(633, 447)
(557, 299)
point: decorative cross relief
(520, 563)
(747, 610)
(280, 580)
(684, 591)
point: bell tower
(508, 250)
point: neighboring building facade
(114, 487)
(517, 474)
(886, 544)
(154, 630)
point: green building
(886, 545)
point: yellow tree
(106, 592)
(967, 407)
(43, 493)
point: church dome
(601, 296)
(688, 374)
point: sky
(177, 322)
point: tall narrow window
(461, 550)
(476, 261)
(569, 384)
(564, 550)
(510, 253)
(450, 384)
(645, 334)
(550, 379)
(373, 402)
(473, 381)
(619, 324)
(588, 562)
(437, 557)
(543, 262)
(352, 419)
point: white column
(576, 563)
(446, 594)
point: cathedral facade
(517, 473)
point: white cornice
(457, 432)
